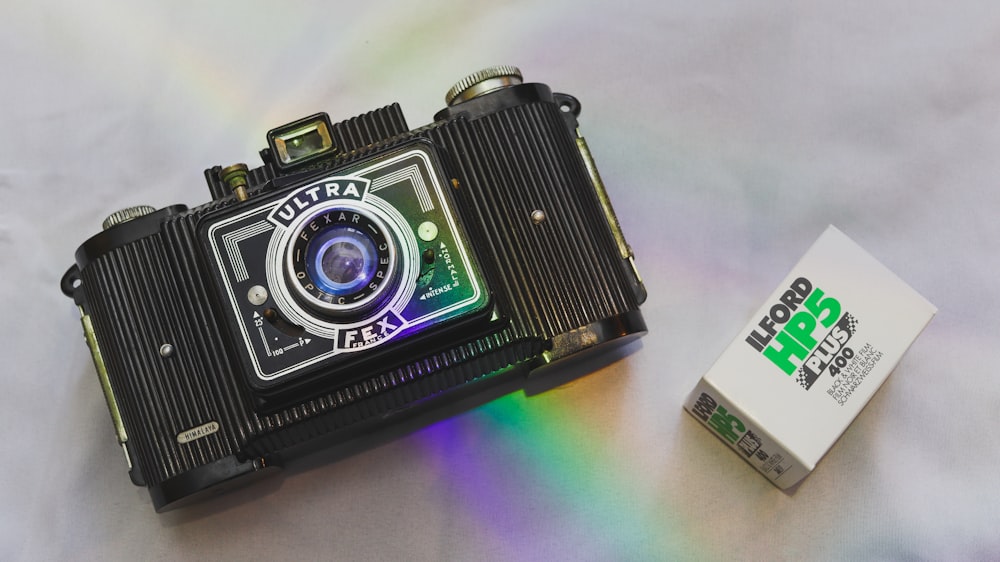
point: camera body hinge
(102, 374)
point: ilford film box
(809, 359)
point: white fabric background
(730, 134)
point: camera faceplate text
(404, 190)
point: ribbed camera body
(364, 276)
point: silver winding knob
(126, 214)
(479, 83)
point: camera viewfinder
(302, 140)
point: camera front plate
(284, 335)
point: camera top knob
(479, 83)
(126, 214)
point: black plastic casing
(559, 286)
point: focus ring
(341, 261)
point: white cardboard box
(809, 359)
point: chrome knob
(126, 214)
(479, 83)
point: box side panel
(744, 436)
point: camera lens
(341, 261)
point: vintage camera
(365, 276)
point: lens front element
(341, 261)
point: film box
(809, 359)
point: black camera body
(365, 275)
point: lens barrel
(341, 261)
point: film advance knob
(126, 214)
(479, 83)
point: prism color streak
(560, 453)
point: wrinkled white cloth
(729, 136)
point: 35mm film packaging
(809, 359)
